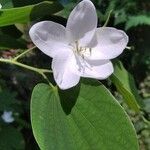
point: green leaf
(66, 11)
(28, 13)
(27, 2)
(11, 139)
(7, 42)
(121, 17)
(134, 21)
(125, 85)
(84, 118)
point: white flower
(0, 6)
(7, 116)
(81, 49)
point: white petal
(64, 66)
(99, 69)
(82, 22)
(110, 43)
(49, 37)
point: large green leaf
(27, 13)
(84, 118)
(125, 84)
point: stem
(24, 53)
(12, 61)
(108, 17)
(38, 70)
(45, 77)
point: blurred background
(16, 84)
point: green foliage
(11, 138)
(15, 3)
(125, 84)
(6, 4)
(22, 14)
(66, 11)
(87, 117)
(27, 13)
(132, 13)
(13, 42)
(134, 21)
(147, 105)
(75, 120)
(8, 101)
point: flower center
(80, 54)
(82, 51)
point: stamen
(82, 56)
(82, 50)
(77, 46)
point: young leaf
(125, 85)
(85, 117)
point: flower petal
(63, 66)
(99, 69)
(49, 37)
(110, 43)
(82, 23)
